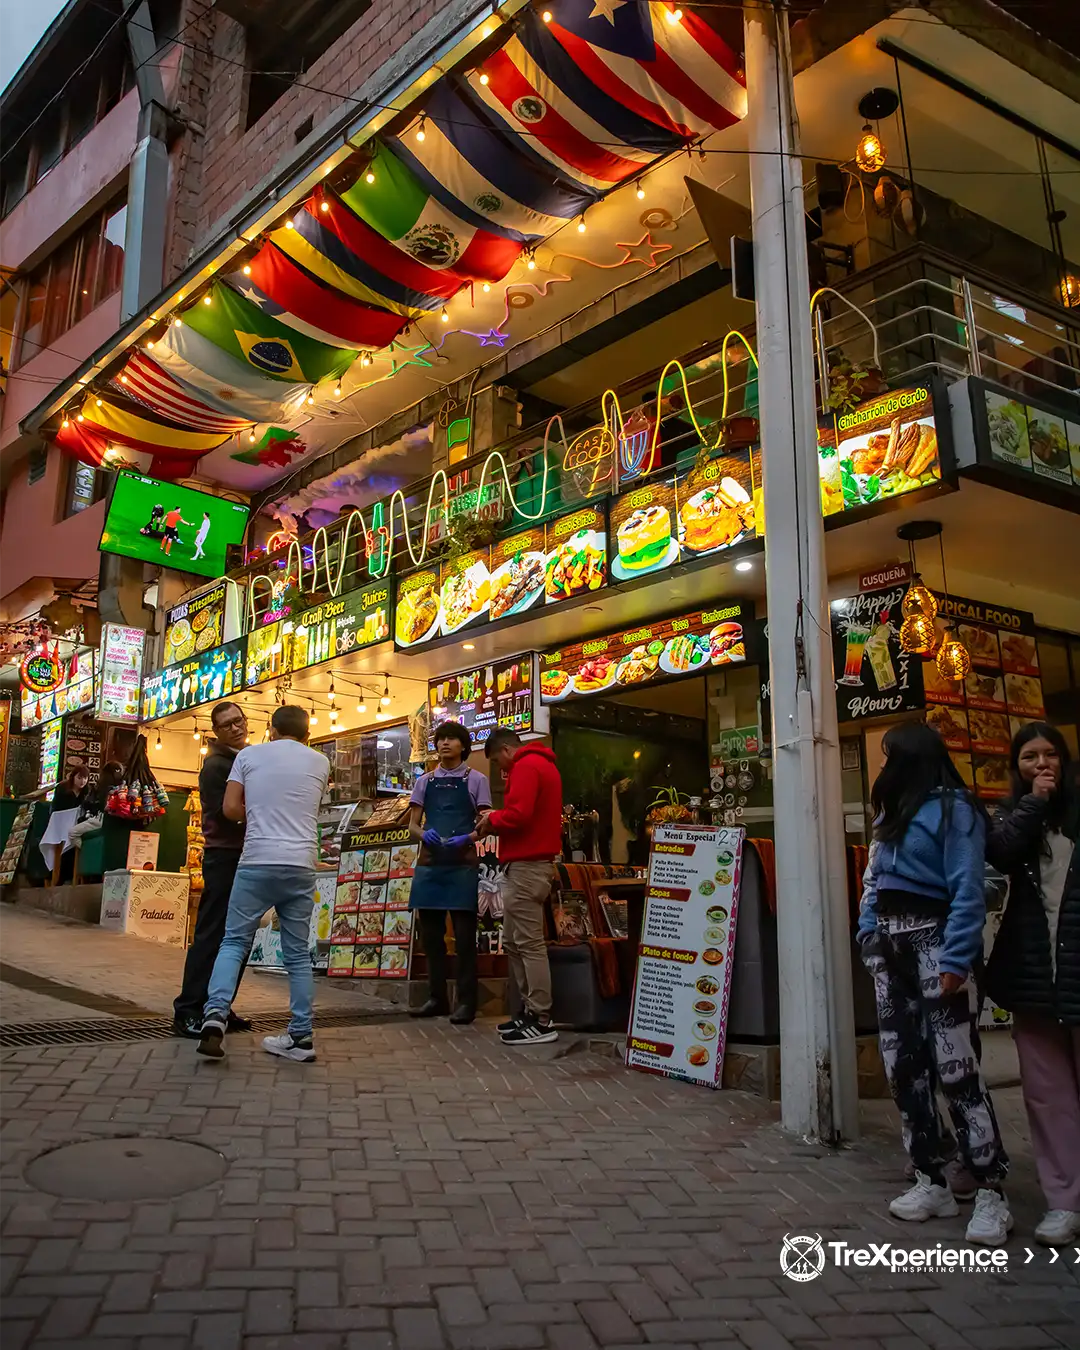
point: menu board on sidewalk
(372, 927)
(678, 1021)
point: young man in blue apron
(448, 801)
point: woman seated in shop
(445, 805)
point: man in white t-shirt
(277, 789)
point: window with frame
(76, 277)
(85, 486)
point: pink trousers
(1049, 1057)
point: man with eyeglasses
(221, 856)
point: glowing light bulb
(385, 700)
(177, 321)
(80, 418)
(337, 390)
(157, 743)
(361, 706)
(444, 316)
(251, 435)
(206, 300)
(123, 379)
(531, 264)
(953, 659)
(487, 287)
(289, 224)
(150, 345)
(369, 177)
(65, 423)
(484, 78)
(365, 359)
(195, 733)
(640, 193)
(247, 269)
(202, 748)
(98, 402)
(674, 16)
(421, 134)
(546, 16)
(581, 225)
(869, 153)
(331, 695)
(310, 399)
(313, 720)
(324, 205)
(333, 714)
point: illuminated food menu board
(204, 679)
(51, 736)
(536, 566)
(1024, 437)
(195, 625)
(372, 926)
(121, 673)
(879, 449)
(977, 717)
(481, 699)
(346, 623)
(687, 644)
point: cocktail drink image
(857, 637)
(881, 662)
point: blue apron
(444, 878)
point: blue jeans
(291, 891)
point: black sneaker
(531, 1031)
(511, 1025)
(190, 1028)
(238, 1023)
(213, 1034)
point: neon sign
(41, 672)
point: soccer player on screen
(172, 519)
(200, 538)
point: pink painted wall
(33, 543)
(98, 162)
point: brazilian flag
(254, 338)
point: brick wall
(235, 160)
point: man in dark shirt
(221, 855)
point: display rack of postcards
(194, 858)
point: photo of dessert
(644, 542)
(716, 517)
(698, 1056)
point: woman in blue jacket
(920, 933)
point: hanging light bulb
(99, 402)
(202, 748)
(869, 153)
(487, 287)
(953, 659)
(361, 706)
(918, 636)
(640, 193)
(207, 300)
(421, 135)
(369, 177)
(195, 734)
(177, 321)
(65, 423)
(324, 206)
(310, 399)
(483, 77)
(150, 345)
(546, 16)
(289, 223)
(531, 264)
(251, 436)
(79, 418)
(247, 269)
(1069, 290)
(444, 316)
(385, 700)
(330, 693)
(581, 225)
(674, 16)
(313, 720)
(337, 389)
(919, 599)
(365, 358)
(333, 716)
(157, 743)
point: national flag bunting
(473, 167)
(248, 334)
(125, 426)
(224, 382)
(90, 445)
(287, 293)
(403, 211)
(144, 381)
(680, 75)
(345, 252)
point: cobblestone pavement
(118, 966)
(422, 1187)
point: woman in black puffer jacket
(1034, 969)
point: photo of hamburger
(727, 644)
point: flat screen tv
(174, 526)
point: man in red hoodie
(529, 827)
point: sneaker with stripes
(530, 1031)
(511, 1024)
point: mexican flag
(260, 341)
(400, 208)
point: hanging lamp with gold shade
(870, 153)
(918, 635)
(918, 632)
(953, 660)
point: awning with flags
(581, 97)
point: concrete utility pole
(819, 1086)
(148, 176)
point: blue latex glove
(458, 841)
(432, 838)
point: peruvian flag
(675, 72)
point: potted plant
(851, 385)
(738, 432)
(467, 534)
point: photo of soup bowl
(704, 1005)
(714, 935)
(712, 956)
(716, 914)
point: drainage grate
(108, 1030)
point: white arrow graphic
(1077, 1251)
(1054, 1254)
(1030, 1256)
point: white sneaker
(990, 1220)
(1058, 1227)
(287, 1048)
(925, 1200)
